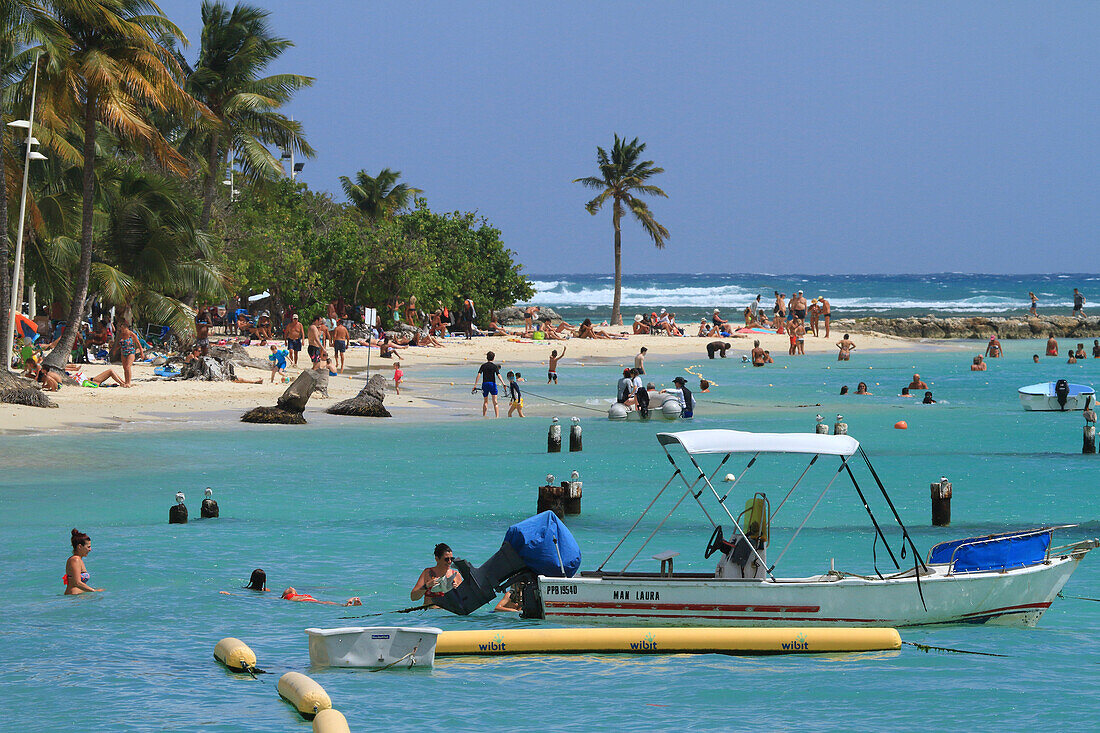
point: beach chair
(157, 335)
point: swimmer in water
(292, 595)
(258, 581)
(76, 572)
(441, 573)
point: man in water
(552, 368)
(1078, 303)
(917, 383)
(846, 346)
(717, 346)
(757, 354)
(294, 334)
(639, 361)
(488, 374)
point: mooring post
(209, 508)
(575, 436)
(551, 497)
(840, 427)
(553, 438)
(178, 513)
(1089, 444)
(572, 499)
(821, 428)
(941, 503)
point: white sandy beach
(157, 402)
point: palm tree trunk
(616, 317)
(60, 355)
(210, 183)
(5, 273)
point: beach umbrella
(25, 327)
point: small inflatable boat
(1059, 396)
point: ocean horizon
(695, 295)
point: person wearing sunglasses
(438, 579)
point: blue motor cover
(533, 540)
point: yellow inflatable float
(235, 655)
(667, 640)
(308, 697)
(330, 721)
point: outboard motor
(541, 545)
(1061, 392)
(738, 559)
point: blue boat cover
(533, 540)
(998, 552)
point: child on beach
(397, 375)
(514, 395)
(278, 361)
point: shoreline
(157, 403)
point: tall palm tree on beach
(622, 175)
(237, 45)
(378, 196)
(105, 62)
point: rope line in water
(563, 402)
(1080, 598)
(410, 609)
(929, 648)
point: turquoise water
(343, 507)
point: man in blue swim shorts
(488, 374)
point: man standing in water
(639, 361)
(846, 346)
(552, 368)
(488, 375)
(294, 335)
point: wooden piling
(572, 498)
(553, 437)
(941, 503)
(1089, 445)
(575, 436)
(552, 497)
(821, 428)
(840, 427)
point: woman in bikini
(76, 572)
(129, 346)
(430, 578)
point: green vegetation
(621, 176)
(129, 208)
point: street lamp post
(28, 156)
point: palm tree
(378, 196)
(237, 45)
(107, 62)
(621, 176)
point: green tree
(378, 196)
(622, 176)
(237, 46)
(107, 62)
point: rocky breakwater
(514, 315)
(1019, 327)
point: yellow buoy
(667, 640)
(330, 720)
(308, 697)
(235, 654)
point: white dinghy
(373, 647)
(1058, 396)
(1007, 579)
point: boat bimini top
(729, 442)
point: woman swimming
(441, 575)
(292, 595)
(76, 572)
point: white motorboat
(1007, 579)
(375, 647)
(1056, 396)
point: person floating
(76, 571)
(438, 579)
(292, 595)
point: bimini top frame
(729, 442)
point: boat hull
(1015, 597)
(373, 646)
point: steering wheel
(716, 542)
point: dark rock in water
(19, 391)
(273, 415)
(293, 401)
(368, 403)
(1020, 327)
(208, 509)
(177, 514)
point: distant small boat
(1056, 396)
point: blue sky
(796, 137)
